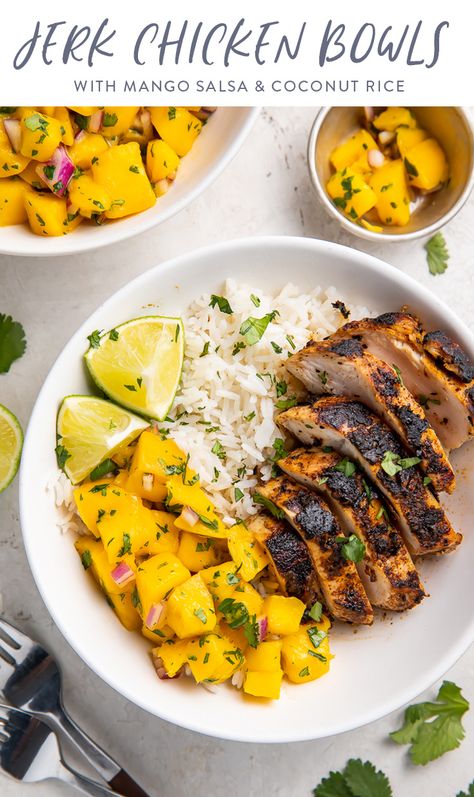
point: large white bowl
(375, 670)
(219, 141)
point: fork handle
(83, 784)
(101, 761)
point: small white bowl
(449, 125)
(375, 670)
(219, 141)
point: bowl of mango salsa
(392, 173)
(77, 178)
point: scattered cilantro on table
(434, 728)
(469, 793)
(358, 779)
(12, 342)
(437, 254)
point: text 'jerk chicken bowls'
(77, 178)
(273, 496)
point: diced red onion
(147, 481)
(189, 516)
(13, 131)
(80, 135)
(154, 614)
(95, 122)
(386, 136)
(262, 623)
(375, 158)
(62, 169)
(122, 574)
(369, 113)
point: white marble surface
(264, 191)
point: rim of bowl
(369, 235)
(372, 263)
(121, 233)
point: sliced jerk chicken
(340, 584)
(343, 367)
(289, 557)
(387, 571)
(427, 369)
(356, 432)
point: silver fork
(29, 752)
(30, 679)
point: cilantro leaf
(437, 254)
(221, 303)
(316, 611)
(62, 455)
(364, 780)
(434, 728)
(12, 342)
(252, 329)
(469, 793)
(353, 549)
(393, 464)
(269, 506)
(333, 786)
(103, 469)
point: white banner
(252, 52)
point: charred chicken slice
(397, 338)
(340, 584)
(356, 432)
(449, 355)
(343, 367)
(387, 571)
(289, 557)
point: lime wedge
(90, 430)
(11, 443)
(138, 364)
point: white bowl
(375, 670)
(219, 141)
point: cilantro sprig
(358, 779)
(12, 342)
(433, 728)
(437, 254)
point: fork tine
(14, 637)
(6, 658)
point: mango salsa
(177, 127)
(12, 202)
(190, 609)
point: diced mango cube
(155, 460)
(181, 496)
(164, 537)
(62, 115)
(156, 578)
(161, 160)
(125, 531)
(88, 197)
(86, 149)
(158, 635)
(174, 655)
(198, 552)
(351, 194)
(248, 595)
(40, 135)
(393, 118)
(118, 119)
(408, 137)
(355, 148)
(305, 655)
(94, 556)
(47, 214)
(177, 127)
(426, 165)
(121, 172)
(11, 163)
(283, 614)
(265, 657)
(263, 684)
(94, 499)
(190, 609)
(212, 659)
(125, 609)
(30, 175)
(246, 552)
(391, 189)
(12, 202)
(222, 580)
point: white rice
(68, 519)
(220, 390)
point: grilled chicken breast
(449, 355)
(355, 431)
(387, 571)
(342, 589)
(289, 557)
(343, 367)
(448, 401)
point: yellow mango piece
(190, 608)
(177, 127)
(12, 202)
(265, 657)
(235, 636)
(197, 552)
(156, 577)
(248, 595)
(88, 197)
(84, 110)
(351, 194)
(161, 160)
(408, 137)
(47, 214)
(94, 556)
(426, 165)
(86, 148)
(283, 614)
(30, 175)
(94, 499)
(121, 478)
(174, 655)
(222, 581)
(121, 172)
(125, 531)
(391, 189)
(212, 659)
(393, 118)
(246, 552)
(263, 684)
(163, 537)
(62, 115)
(40, 135)
(153, 462)
(125, 609)
(361, 166)
(117, 120)
(305, 655)
(184, 495)
(11, 163)
(369, 226)
(159, 635)
(49, 110)
(355, 148)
